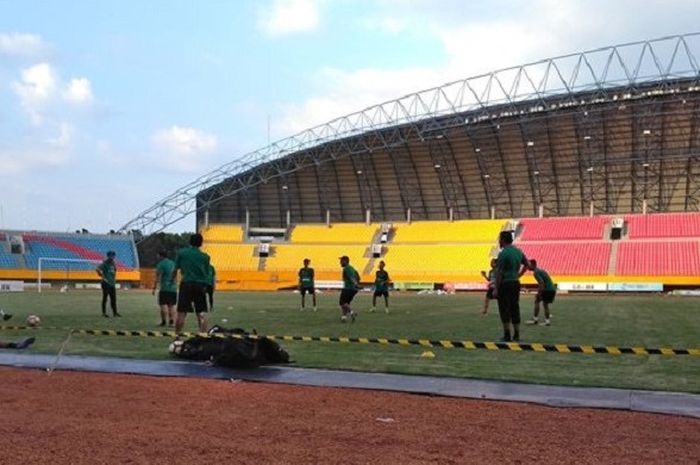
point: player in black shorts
(195, 276)
(351, 284)
(546, 291)
(511, 264)
(307, 283)
(167, 296)
(381, 287)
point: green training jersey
(306, 277)
(211, 276)
(194, 265)
(351, 279)
(109, 272)
(164, 272)
(509, 260)
(543, 278)
(381, 281)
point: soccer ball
(175, 347)
(33, 320)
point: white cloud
(16, 44)
(78, 91)
(64, 139)
(35, 89)
(289, 16)
(38, 91)
(473, 45)
(17, 161)
(187, 149)
(342, 92)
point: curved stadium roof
(611, 130)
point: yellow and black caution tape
(428, 343)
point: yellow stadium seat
(445, 231)
(238, 257)
(438, 259)
(223, 233)
(345, 233)
(289, 257)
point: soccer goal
(67, 261)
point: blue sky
(106, 107)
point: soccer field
(650, 321)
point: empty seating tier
(78, 247)
(658, 259)
(223, 233)
(92, 247)
(574, 259)
(351, 233)
(235, 257)
(288, 257)
(438, 259)
(446, 231)
(663, 225)
(558, 229)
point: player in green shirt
(491, 278)
(381, 287)
(195, 275)
(546, 291)
(107, 270)
(167, 296)
(351, 284)
(306, 283)
(511, 264)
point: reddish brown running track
(86, 418)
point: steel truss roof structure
(609, 130)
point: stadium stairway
(613, 258)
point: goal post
(67, 261)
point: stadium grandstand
(591, 159)
(64, 257)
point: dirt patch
(87, 418)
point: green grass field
(651, 321)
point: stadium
(591, 160)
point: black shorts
(489, 293)
(546, 296)
(346, 296)
(167, 298)
(509, 302)
(192, 297)
(384, 293)
(309, 290)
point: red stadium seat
(663, 225)
(565, 228)
(658, 259)
(582, 258)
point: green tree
(150, 245)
